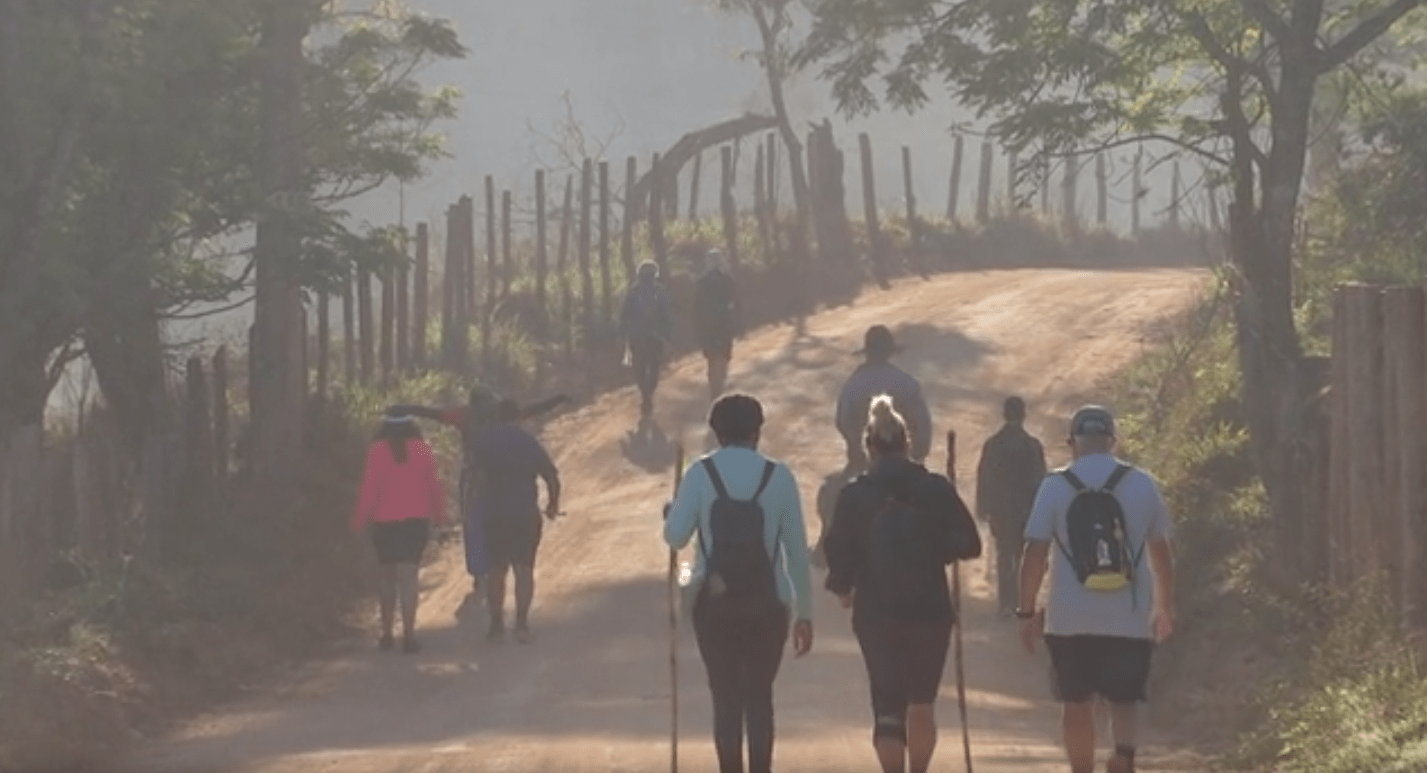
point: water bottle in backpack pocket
(738, 570)
(1097, 544)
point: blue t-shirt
(507, 461)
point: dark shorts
(400, 542)
(1114, 667)
(905, 661)
(512, 543)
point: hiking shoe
(1119, 763)
(386, 642)
(410, 645)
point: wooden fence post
(403, 313)
(626, 239)
(1102, 194)
(606, 277)
(869, 209)
(386, 347)
(542, 258)
(324, 344)
(983, 193)
(507, 258)
(421, 292)
(1405, 356)
(1365, 420)
(587, 280)
(1012, 161)
(366, 339)
(771, 188)
(728, 207)
(349, 333)
(1043, 169)
(694, 182)
(953, 195)
(450, 292)
(760, 202)
(198, 436)
(563, 269)
(1136, 182)
(1070, 203)
(221, 414)
(909, 193)
(1174, 197)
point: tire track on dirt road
(592, 693)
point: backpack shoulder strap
(715, 478)
(1115, 477)
(768, 470)
(1073, 479)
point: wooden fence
(92, 500)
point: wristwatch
(1023, 614)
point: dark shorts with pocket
(400, 542)
(1115, 668)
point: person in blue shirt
(742, 644)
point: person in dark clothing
(483, 409)
(644, 323)
(902, 610)
(716, 320)
(1008, 476)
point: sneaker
(386, 642)
(1120, 764)
(523, 635)
(410, 645)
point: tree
(776, 56)
(1231, 81)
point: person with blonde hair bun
(895, 528)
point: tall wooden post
(1139, 191)
(909, 193)
(492, 275)
(403, 314)
(606, 279)
(324, 343)
(983, 193)
(542, 267)
(507, 257)
(387, 343)
(1070, 210)
(694, 183)
(421, 295)
(562, 269)
(869, 209)
(349, 333)
(1102, 194)
(1174, 197)
(727, 206)
(366, 324)
(953, 195)
(587, 282)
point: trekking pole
(956, 595)
(674, 624)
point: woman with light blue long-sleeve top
(742, 647)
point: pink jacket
(395, 492)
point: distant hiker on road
(876, 376)
(401, 496)
(1008, 476)
(751, 572)
(483, 409)
(1105, 612)
(716, 319)
(896, 529)
(644, 323)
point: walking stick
(674, 625)
(956, 595)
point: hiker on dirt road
(1106, 523)
(483, 409)
(751, 573)
(401, 497)
(897, 527)
(1008, 476)
(875, 376)
(716, 319)
(644, 323)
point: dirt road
(592, 692)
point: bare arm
(1162, 562)
(1034, 562)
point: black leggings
(742, 653)
(647, 357)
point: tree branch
(1261, 13)
(1199, 28)
(1364, 34)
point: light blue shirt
(741, 470)
(1072, 609)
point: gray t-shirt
(1072, 609)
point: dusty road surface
(592, 693)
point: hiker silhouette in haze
(401, 497)
(751, 574)
(716, 319)
(1008, 476)
(482, 409)
(876, 376)
(644, 324)
(1101, 527)
(896, 529)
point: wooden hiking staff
(674, 622)
(956, 601)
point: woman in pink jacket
(401, 495)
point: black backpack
(905, 570)
(737, 565)
(1097, 542)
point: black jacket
(932, 494)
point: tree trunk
(277, 384)
(773, 68)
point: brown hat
(879, 340)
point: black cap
(879, 340)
